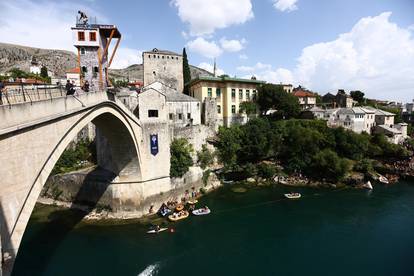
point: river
(327, 232)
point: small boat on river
(156, 231)
(179, 207)
(383, 179)
(293, 195)
(192, 202)
(179, 216)
(368, 185)
(202, 211)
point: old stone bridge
(34, 135)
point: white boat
(155, 231)
(201, 212)
(383, 179)
(368, 185)
(293, 195)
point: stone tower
(92, 42)
(165, 67)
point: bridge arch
(121, 156)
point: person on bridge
(1, 92)
(85, 86)
(69, 88)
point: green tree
(266, 171)
(228, 145)
(358, 96)
(254, 141)
(328, 165)
(43, 72)
(205, 157)
(274, 97)
(248, 108)
(181, 158)
(186, 72)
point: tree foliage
(248, 108)
(274, 97)
(43, 72)
(205, 157)
(181, 158)
(358, 96)
(186, 72)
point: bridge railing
(32, 94)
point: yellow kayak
(179, 207)
(192, 202)
(178, 216)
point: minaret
(92, 42)
(215, 67)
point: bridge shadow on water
(60, 223)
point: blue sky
(323, 45)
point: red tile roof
(74, 70)
(303, 93)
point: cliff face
(15, 56)
(60, 61)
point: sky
(323, 45)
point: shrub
(266, 171)
(205, 157)
(181, 158)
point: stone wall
(196, 135)
(130, 200)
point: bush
(328, 165)
(205, 157)
(266, 171)
(181, 158)
(364, 165)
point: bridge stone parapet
(34, 135)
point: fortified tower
(165, 67)
(92, 42)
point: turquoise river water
(327, 232)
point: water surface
(327, 232)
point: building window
(233, 94)
(247, 94)
(218, 93)
(254, 94)
(233, 109)
(188, 116)
(149, 56)
(81, 36)
(95, 71)
(82, 51)
(180, 116)
(218, 109)
(153, 113)
(84, 69)
(171, 116)
(92, 36)
(209, 92)
(153, 72)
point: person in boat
(157, 228)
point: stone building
(165, 67)
(158, 101)
(92, 42)
(306, 98)
(228, 92)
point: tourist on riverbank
(69, 88)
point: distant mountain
(60, 61)
(136, 72)
(16, 56)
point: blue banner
(154, 144)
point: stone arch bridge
(34, 135)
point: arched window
(153, 72)
(82, 51)
(84, 69)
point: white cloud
(125, 57)
(42, 25)
(233, 45)
(204, 17)
(243, 57)
(204, 47)
(209, 67)
(265, 72)
(285, 5)
(376, 56)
